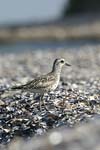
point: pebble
(76, 100)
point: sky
(12, 11)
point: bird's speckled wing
(41, 82)
(38, 83)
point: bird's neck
(56, 71)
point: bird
(45, 83)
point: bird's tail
(17, 87)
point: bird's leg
(34, 95)
(40, 102)
(45, 105)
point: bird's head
(59, 63)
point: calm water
(24, 46)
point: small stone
(1, 103)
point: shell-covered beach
(76, 100)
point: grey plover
(45, 83)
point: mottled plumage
(45, 83)
(39, 85)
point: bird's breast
(54, 86)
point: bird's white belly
(38, 91)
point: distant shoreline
(77, 27)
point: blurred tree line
(82, 6)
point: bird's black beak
(67, 64)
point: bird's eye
(62, 61)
